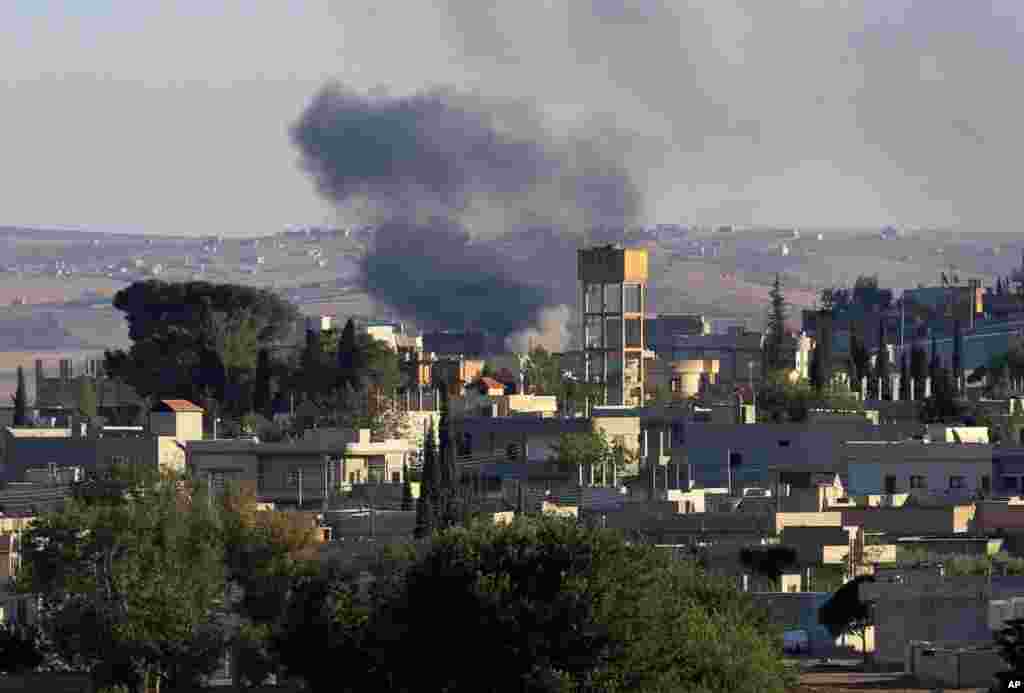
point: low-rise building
(930, 471)
(93, 447)
(308, 471)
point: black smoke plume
(444, 175)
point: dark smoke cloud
(440, 171)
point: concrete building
(323, 466)
(965, 303)
(931, 472)
(613, 283)
(661, 329)
(744, 453)
(913, 605)
(93, 447)
(738, 353)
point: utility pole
(327, 462)
(728, 468)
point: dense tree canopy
(191, 339)
(132, 584)
(569, 607)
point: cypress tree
(261, 393)
(776, 332)
(918, 367)
(447, 509)
(312, 365)
(904, 392)
(348, 358)
(87, 397)
(815, 374)
(406, 488)
(934, 363)
(20, 399)
(957, 338)
(881, 362)
(426, 505)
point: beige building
(92, 446)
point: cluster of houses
(851, 491)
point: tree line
(236, 350)
(145, 580)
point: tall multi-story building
(612, 309)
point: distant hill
(42, 332)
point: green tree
(768, 561)
(918, 369)
(575, 608)
(21, 648)
(132, 587)
(881, 373)
(775, 334)
(866, 293)
(859, 362)
(262, 400)
(189, 337)
(904, 392)
(816, 369)
(87, 397)
(20, 401)
(543, 372)
(1009, 642)
(588, 455)
(407, 499)
(957, 348)
(845, 612)
(430, 488)
(351, 360)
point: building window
(1011, 483)
(512, 451)
(396, 477)
(918, 482)
(986, 484)
(783, 443)
(957, 482)
(293, 478)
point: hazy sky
(173, 117)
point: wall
(798, 611)
(870, 463)
(811, 542)
(89, 453)
(765, 445)
(990, 516)
(954, 668)
(946, 610)
(813, 519)
(906, 521)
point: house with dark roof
(92, 446)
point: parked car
(795, 642)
